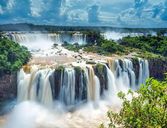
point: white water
(67, 91)
(35, 86)
(113, 35)
(40, 41)
(75, 107)
(97, 90)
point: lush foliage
(105, 47)
(146, 110)
(145, 46)
(154, 44)
(12, 55)
(111, 46)
(93, 37)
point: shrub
(111, 46)
(154, 44)
(12, 55)
(147, 110)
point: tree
(111, 46)
(147, 110)
(12, 56)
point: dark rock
(136, 67)
(158, 68)
(8, 86)
(101, 73)
(80, 85)
(55, 81)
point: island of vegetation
(12, 56)
(146, 46)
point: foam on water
(32, 115)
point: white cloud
(110, 11)
(1, 10)
(78, 15)
(37, 7)
(10, 4)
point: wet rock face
(55, 81)
(157, 68)
(8, 86)
(136, 67)
(80, 85)
(101, 73)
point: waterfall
(91, 83)
(121, 75)
(74, 85)
(131, 74)
(97, 89)
(22, 86)
(143, 71)
(32, 37)
(111, 82)
(46, 92)
(67, 91)
(79, 38)
(36, 87)
(34, 40)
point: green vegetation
(111, 46)
(144, 46)
(93, 37)
(100, 68)
(12, 56)
(147, 109)
(106, 47)
(153, 44)
(72, 47)
(78, 69)
(60, 69)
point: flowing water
(70, 96)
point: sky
(115, 13)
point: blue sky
(120, 13)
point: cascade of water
(121, 75)
(81, 86)
(30, 39)
(91, 83)
(111, 64)
(46, 97)
(67, 91)
(74, 85)
(79, 38)
(143, 71)
(111, 82)
(125, 75)
(131, 74)
(22, 86)
(35, 86)
(97, 89)
(56, 38)
(146, 69)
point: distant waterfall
(31, 39)
(79, 38)
(73, 85)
